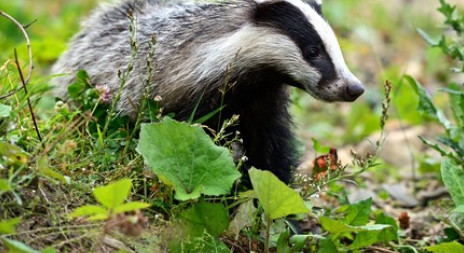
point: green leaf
(339, 227)
(113, 194)
(278, 200)
(327, 246)
(457, 105)
(131, 206)
(90, 210)
(282, 242)
(459, 209)
(49, 250)
(4, 185)
(367, 238)
(188, 158)
(453, 178)
(358, 214)
(447, 247)
(387, 235)
(319, 148)
(426, 106)
(5, 111)
(210, 217)
(17, 246)
(427, 38)
(8, 226)
(42, 166)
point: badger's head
(307, 51)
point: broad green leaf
(426, 106)
(188, 158)
(210, 217)
(453, 178)
(8, 226)
(387, 235)
(369, 237)
(358, 214)
(131, 206)
(459, 209)
(14, 246)
(5, 111)
(113, 194)
(327, 246)
(89, 210)
(278, 200)
(335, 226)
(339, 227)
(447, 247)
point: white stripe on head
(327, 35)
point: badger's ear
(317, 5)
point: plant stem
(268, 234)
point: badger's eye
(311, 52)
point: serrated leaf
(210, 217)
(453, 178)
(89, 210)
(131, 206)
(5, 111)
(113, 194)
(447, 247)
(187, 157)
(426, 106)
(358, 213)
(278, 200)
(14, 246)
(8, 226)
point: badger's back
(102, 48)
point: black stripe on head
(289, 20)
(316, 6)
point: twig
(28, 42)
(233, 244)
(28, 99)
(381, 249)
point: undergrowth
(76, 176)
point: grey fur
(199, 46)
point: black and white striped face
(320, 68)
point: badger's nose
(353, 90)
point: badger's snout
(353, 90)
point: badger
(257, 48)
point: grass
(43, 181)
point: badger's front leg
(265, 125)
